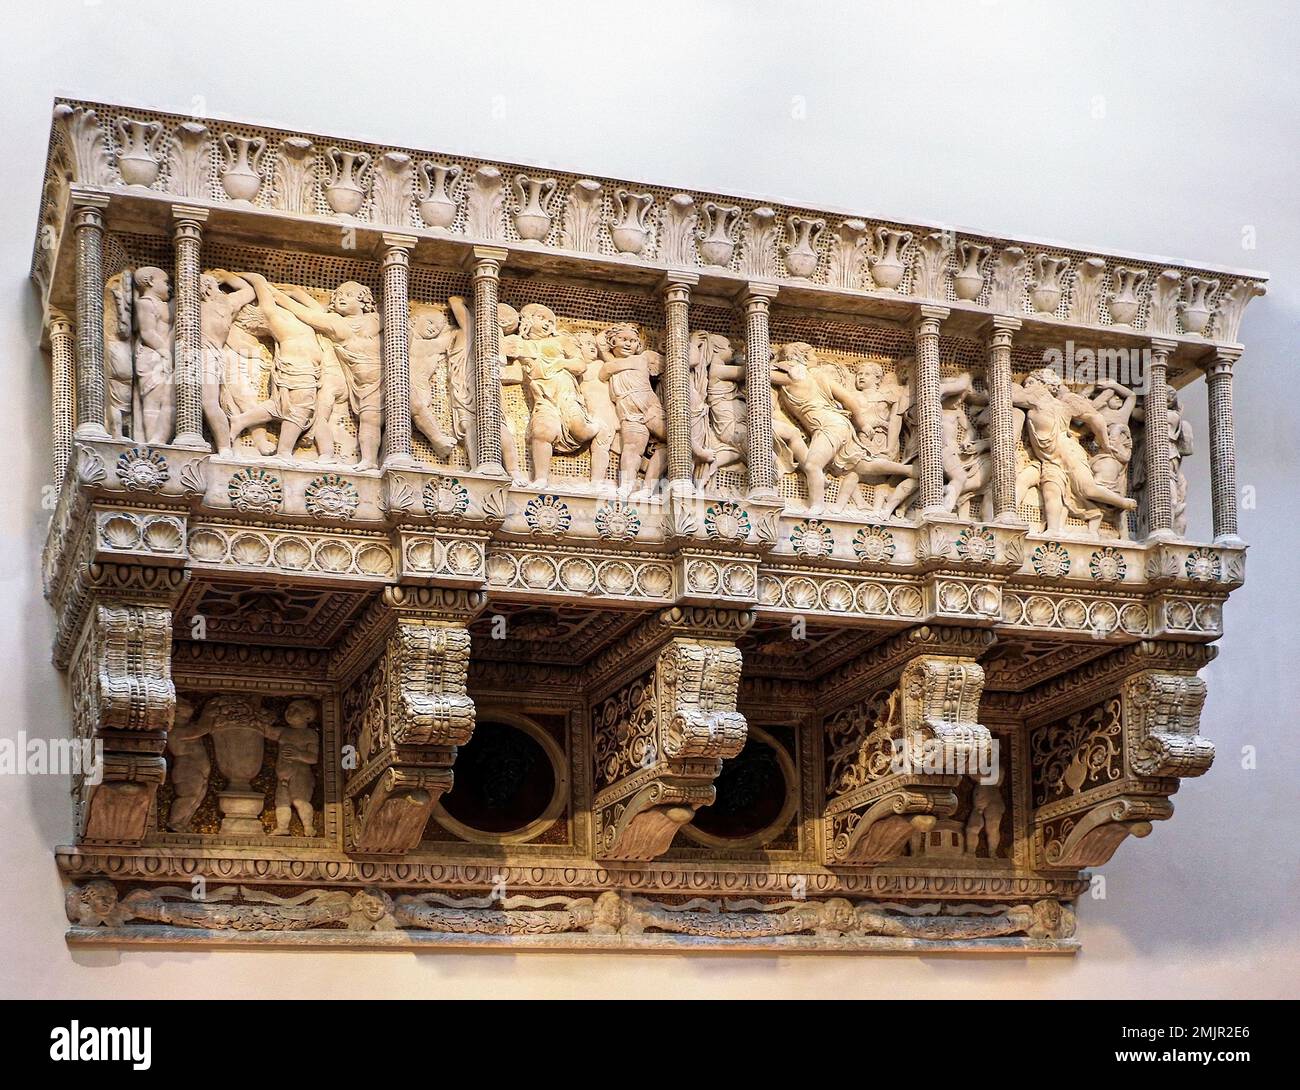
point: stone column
(929, 407)
(761, 455)
(997, 378)
(397, 350)
(489, 416)
(88, 226)
(1155, 410)
(63, 358)
(1223, 443)
(188, 235)
(677, 378)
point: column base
(192, 441)
(492, 469)
(91, 431)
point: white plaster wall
(1158, 127)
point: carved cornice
(78, 139)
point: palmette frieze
(448, 552)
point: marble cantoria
(453, 552)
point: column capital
(1004, 323)
(1162, 347)
(58, 322)
(80, 199)
(678, 279)
(189, 213)
(481, 256)
(88, 210)
(395, 241)
(1221, 361)
(755, 292)
(928, 312)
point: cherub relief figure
(548, 364)
(245, 367)
(431, 339)
(460, 377)
(884, 402)
(967, 458)
(628, 368)
(354, 330)
(714, 363)
(986, 812)
(295, 374)
(155, 389)
(595, 391)
(119, 353)
(1062, 472)
(1180, 446)
(1116, 404)
(967, 461)
(189, 766)
(217, 312)
(830, 414)
(298, 754)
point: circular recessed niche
(509, 783)
(756, 797)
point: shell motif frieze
(285, 551)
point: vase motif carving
(801, 251)
(717, 234)
(241, 177)
(886, 264)
(137, 155)
(1197, 304)
(346, 176)
(1122, 301)
(533, 218)
(1049, 283)
(631, 228)
(968, 281)
(437, 205)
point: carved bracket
(896, 756)
(662, 733)
(1106, 771)
(405, 715)
(124, 703)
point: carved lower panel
(100, 912)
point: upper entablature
(282, 188)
